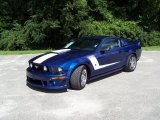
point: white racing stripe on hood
(47, 56)
(96, 65)
(44, 57)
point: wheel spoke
(84, 77)
(132, 63)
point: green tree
(42, 24)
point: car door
(109, 55)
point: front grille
(36, 82)
(45, 83)
(38, 67)
(33, 81)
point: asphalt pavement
(121, 96)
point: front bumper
(44, 80)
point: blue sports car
(81, 60)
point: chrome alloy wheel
(132, 63)
(83, 77)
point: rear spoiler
(137, 42)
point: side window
(110, 44)
(115, 44)
(106, 45)
(124, 43)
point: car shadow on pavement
(46, 90)
(105, 76)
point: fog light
(30, 65)
(45, 68)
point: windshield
(83, 44)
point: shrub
(154, 39)
(129, 30)
(13, 39)
(30, 36)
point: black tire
(128, 66)
(75, 80)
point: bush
(129, 30)
(13, 39)
(34, 35)
(30, 36)
(154, 39)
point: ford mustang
(81, 60)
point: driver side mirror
(104, 50)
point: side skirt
(104, 74)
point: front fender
(72, 65)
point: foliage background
(45, 24)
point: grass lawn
(151, 48)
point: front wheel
(79, 78)
(131, 63)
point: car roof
(99, 37)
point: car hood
(60, 56)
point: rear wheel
(79, 78)
(131, 63)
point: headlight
(45, 68)
(57, 70)
(30, 65)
